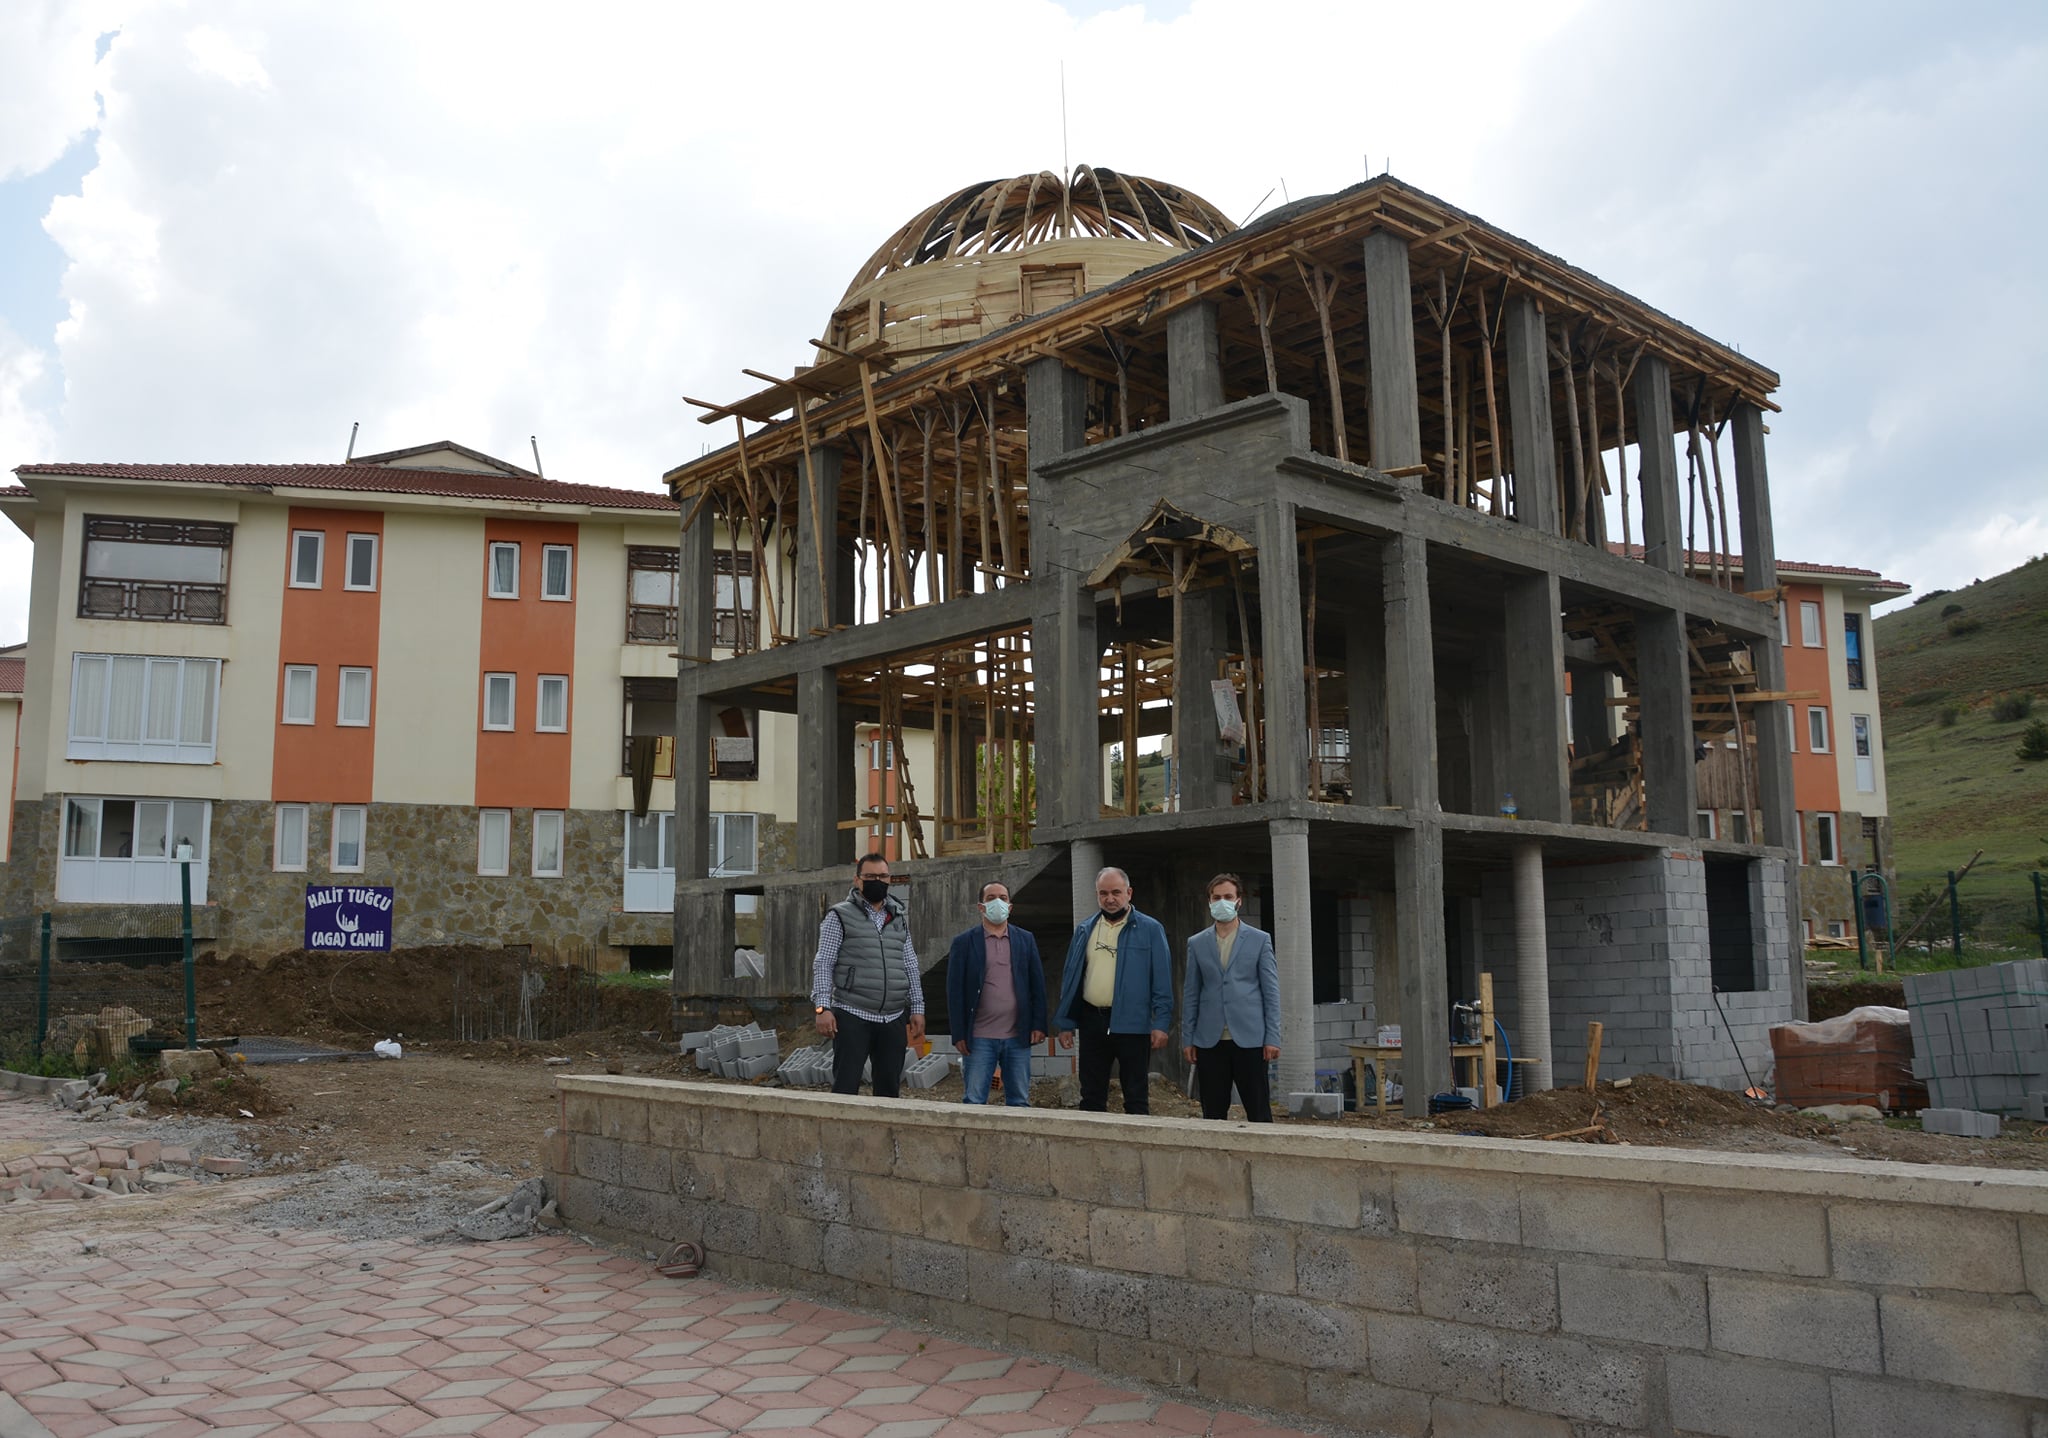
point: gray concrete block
(1741, 1398)
(1970, 1344)
(1471, 1204)
(1315, 1105)
(1104, 1302)
(1875, 1408)
(1964, 1122)
(1593, 1218)
(1918, 1246)
(1634, 1305)
(1308, 1334)
(1436, 1357)
(1761, 1233)
(1596, 1383)
(759, 1066)
(1496, 1291)
(1825, 1327)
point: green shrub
(1948, 609)
(1963, 624)
(2034, 742)
(1932, 594)
(1948, 716)
(2011, 708)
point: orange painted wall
(1816, 781)
(329, 627)
(529, 637)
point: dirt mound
(1833, 998)
(1649, 1110)
(233, 1093)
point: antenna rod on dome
(534, 440)
(353, 426)
(1066, 164)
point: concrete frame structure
(1432, 598)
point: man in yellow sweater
(1117, 993)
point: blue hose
(1508, 1094)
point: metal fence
(66, 997)
(544, 994)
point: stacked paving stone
(79, 1170)
(735, 1051)
(1980, 1036)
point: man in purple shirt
(995, 999)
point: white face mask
(1222, 910)
(997, 911)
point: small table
(1479, 1054)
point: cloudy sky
(229, 229)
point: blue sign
(340, 917)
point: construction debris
(516, 1215)
(735, 1051)
(80, 1170)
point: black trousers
(1129, 1054)
(863, 1043)
(1227, 1063)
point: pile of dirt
(1645, 1109)
(234, 1093)
(1833, 997)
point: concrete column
(1532, 967)
(1535, 444)
(1194, 368)
(813, 612)
(1365, 687)
(823, 747)
(1200, 756)
(1410, 674)
(1085, 855)
(696, 597)
(1390, 342)
(1063, 644)
(1419, 852)
(1592, 728)
(1773, 722)
(1294, 947)
(1283, 700)
(1534, 635)
(1670, 778)
(1419, 936)
(1663, 516)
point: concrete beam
(1534, 443)
(816, 606)
(1663, 517)
(1533, 636)
(1773, 722)
(1670, 775)
(1283, 697)
(696, 597)
(1064, 652)
(1194, 367)
(1396, 422)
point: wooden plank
(1594, 1032)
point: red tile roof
(13, 676)
(368, 479)
(1702, 559)
(14, 491)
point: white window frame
(278, 859)
(319, 539)
(486, 819)
(1820, 736)
(341, 698)
(1828, 826)
(348, 568)
(724, 827)
(1710, 826)
(312, 710)
(511, 683)
(555, 819)
(568, 553)
(1838, 928)
(1810, 634)
(133, 878)
(89, 735)
(491, 569)
(362, 818)
(651, 889)
(540, 704)
(1739, 816)
(1784, 624)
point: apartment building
(427, 670)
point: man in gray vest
(865, 983)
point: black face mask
(874, 890)
(1113, 915)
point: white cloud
(46, 78)
(24, 434)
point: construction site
(1437, 571)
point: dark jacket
(967, 965)
(869, 970)
(1144, 978)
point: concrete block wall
(1403, 1284)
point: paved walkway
(208, 1325)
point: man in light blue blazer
(1230, 1007)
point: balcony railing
(169, 601)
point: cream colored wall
(10, 732)
(44, 579)
(1845, 703)
(247, 646)
(598, 692)
(429, 644)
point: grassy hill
(1944, 663)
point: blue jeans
(979, 1067)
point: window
(732, 844)
(650, 863)
(504, 571)
(309, 547)
(551, 711)
(1817, 728)
(350, 820)
(362, 562)
(1703, 823)
(1866, 758)
(1852, 648)
(301, 693)
(547, 844)
(1838, 928)
(1809, 624)
(555, 565)
(125, 851)
(1784, 624)
(289, 853)
(1738, 826)
(881, 754)
(1825, 850)
(155, 569)
(735, 608)
(494, 841)
(500, 693)
(142, 709)
(353, 710)
(650, 595)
